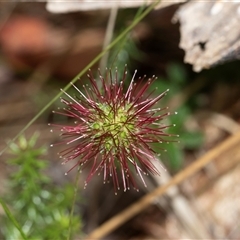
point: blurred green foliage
(125, 52)
(39, 206)
(176, 80)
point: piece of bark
(210, 33)
(84, 5)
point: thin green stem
(97, 58)
(12, 218)
(73, 203)
(123, 42)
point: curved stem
(73, 203)
(95, 60)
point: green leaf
(179, 119)
(174, 156)
(176, 73)
(191, 140)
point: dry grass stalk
(150, 198)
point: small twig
(181, 206)
(224, 122)
(73, 203)
(145, 201)
(109, 35)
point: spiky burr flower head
(114, 129)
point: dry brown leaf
(210, 32)
(56, 6)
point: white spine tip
(66, 174)
(176, 112)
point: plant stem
(151, 197)
(108, 36)
(12, 218)
(95, 60)
(73, 203)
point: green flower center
(113, 127)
